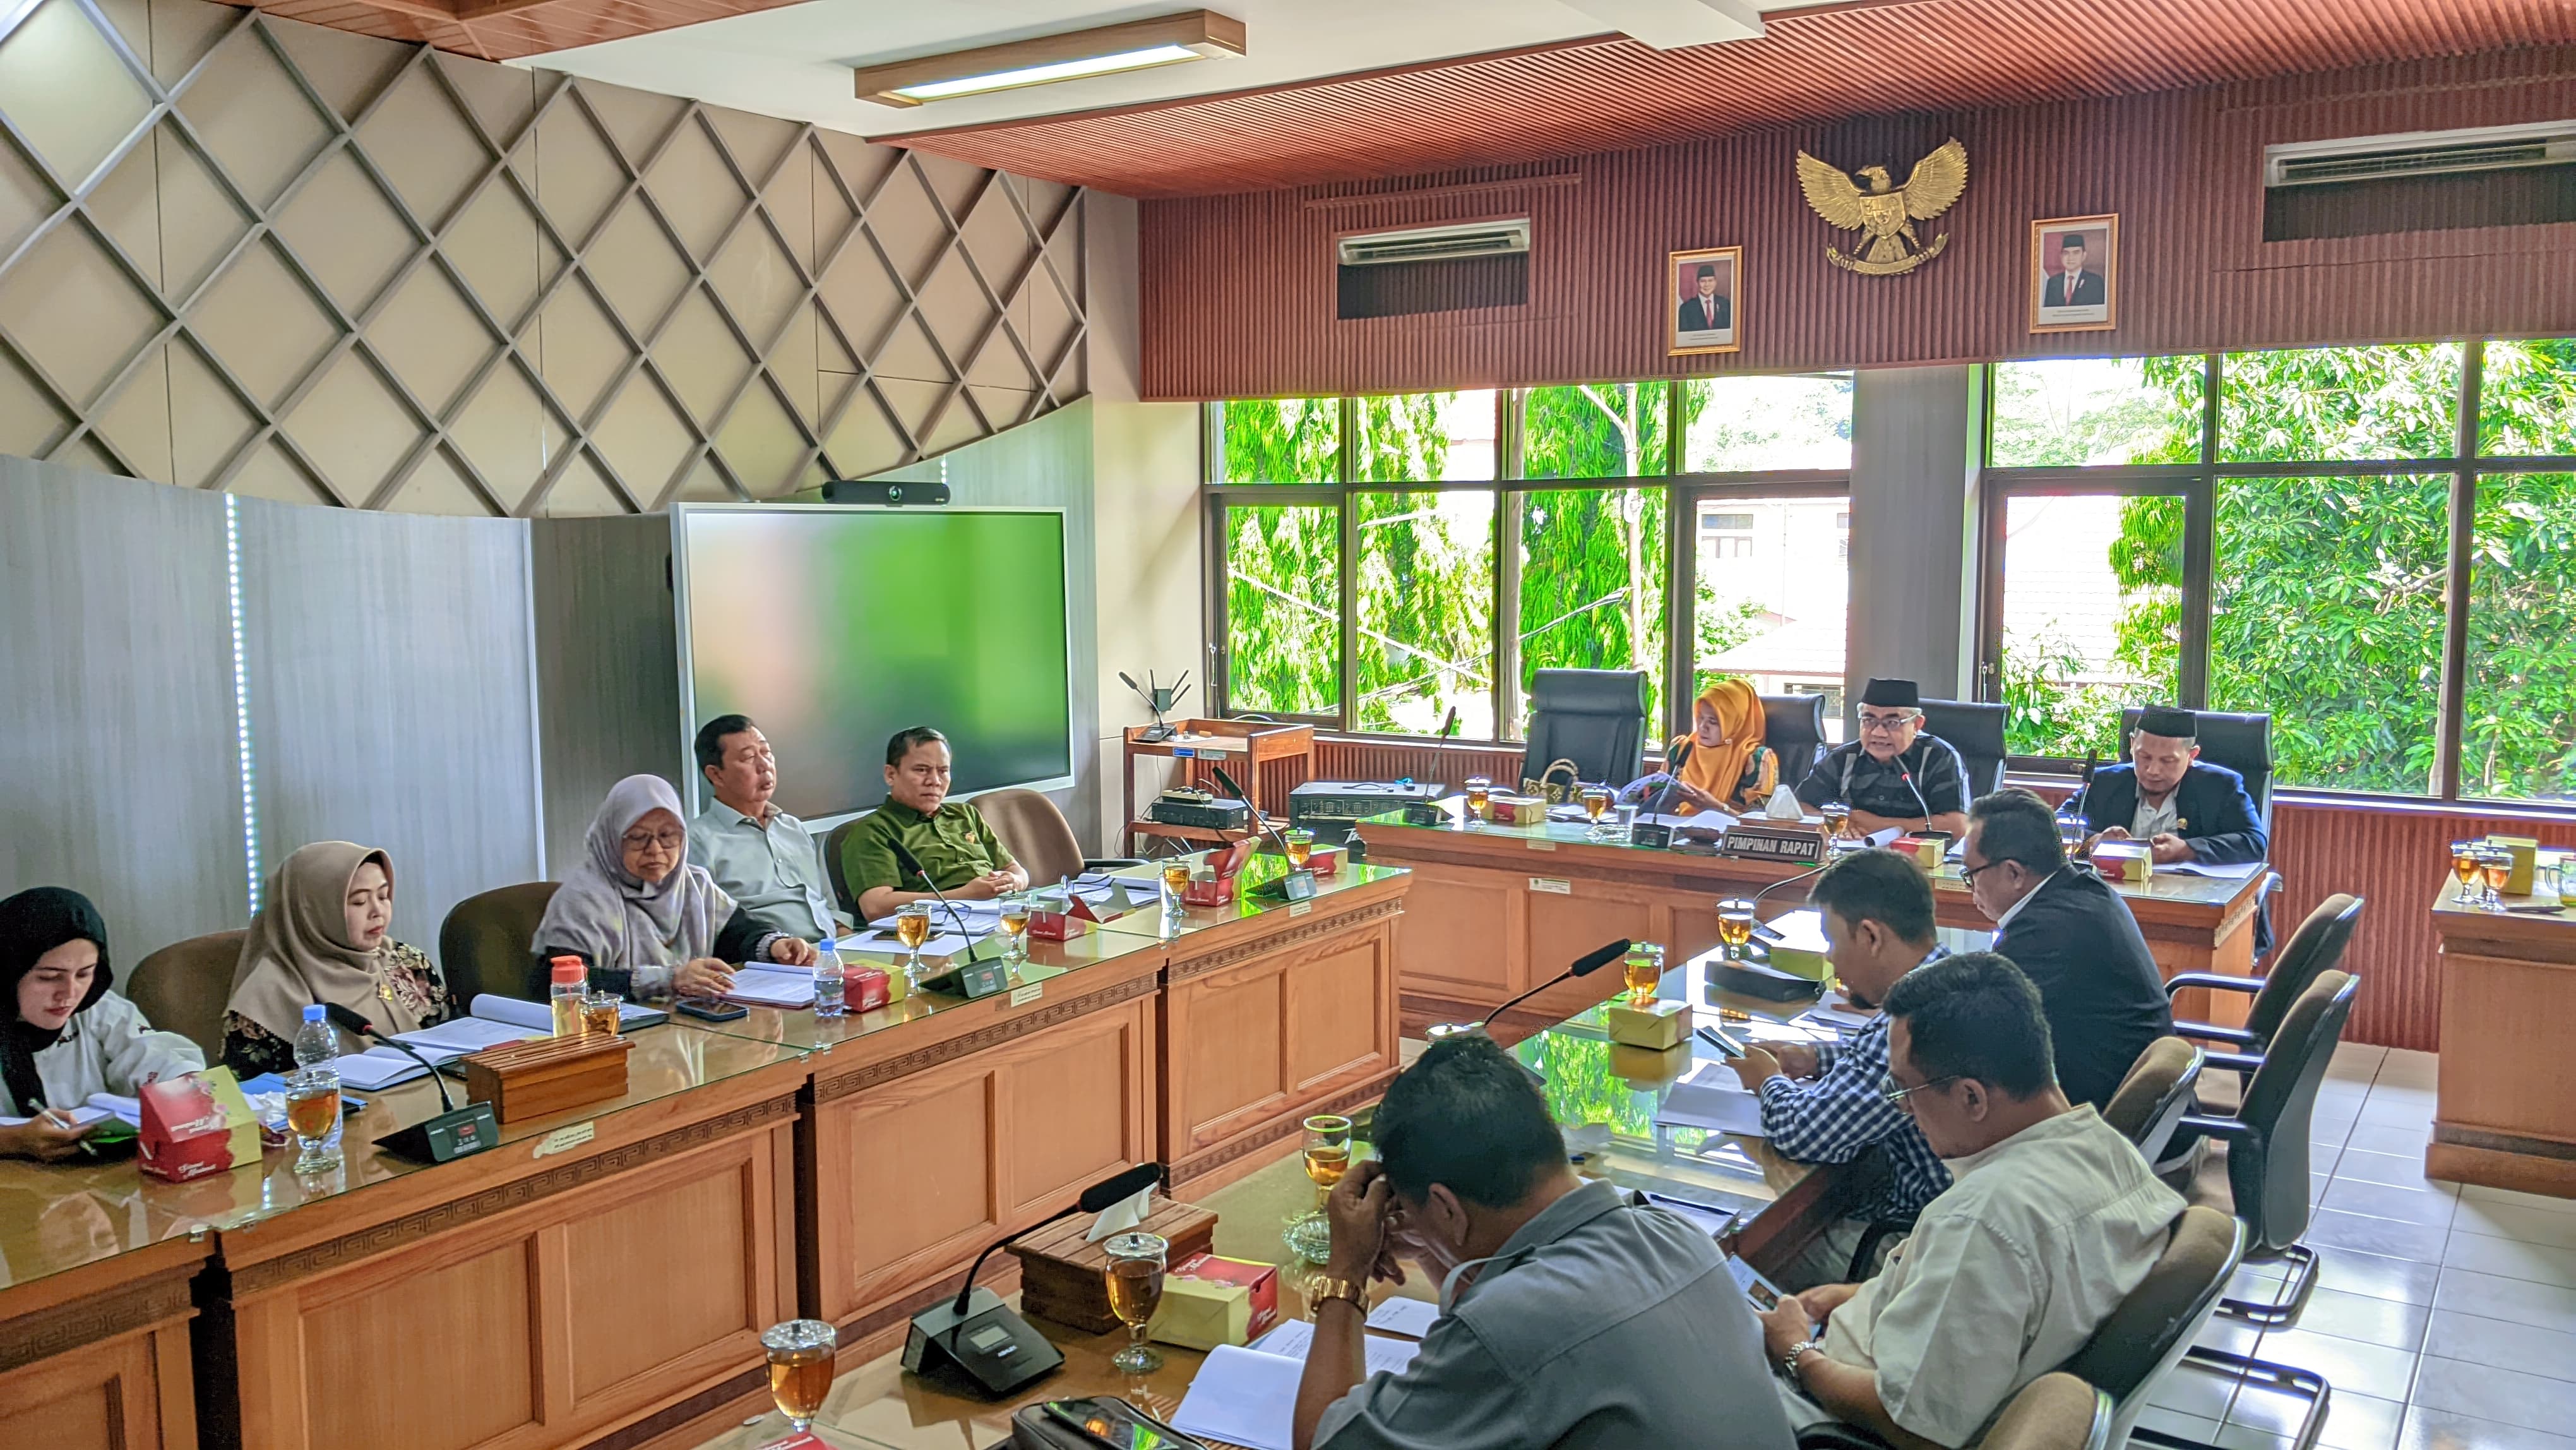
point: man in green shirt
(948, 838)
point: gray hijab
(614, 917)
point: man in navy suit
(2183, 808)
(1706, 312)
(2073, 286)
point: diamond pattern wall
(247, 254)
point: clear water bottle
(829, 998)
(313, 1093)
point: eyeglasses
(1887, 722)
(1969, 873)
(667, 840)
(1896, 1093)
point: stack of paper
(377, 1067)
(538, 1018)
(2236, 872)
(1712, 1099)
(760, 986)
(1248, 1397)
(459, 1036)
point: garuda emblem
(1884, 213)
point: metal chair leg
(2282, 1379)
(2285, 1308)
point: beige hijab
(298, 951)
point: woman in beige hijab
(321, 938)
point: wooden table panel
(2505, 1110)
(1474, 939)
(375, 1350)
(127, 1393)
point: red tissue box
(863, 989)
(196, 1125)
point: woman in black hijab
(63, 1034)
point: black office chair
(2148, 1107)
(2242, 743)
(2313, 950)
(1793, 727)
(1595, 718)
(1976, 729)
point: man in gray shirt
(1570, 1315)
(764, 858)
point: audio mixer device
(1329, 808)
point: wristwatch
(1327, 1290)
(1798, 1351)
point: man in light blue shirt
(763, 857)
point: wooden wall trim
(252, 1280)
(163, 1298)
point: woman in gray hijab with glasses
(647, 923)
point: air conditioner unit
(1436, 244)
(2419, 153)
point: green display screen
(835, 628)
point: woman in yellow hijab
(1727, 768)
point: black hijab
(32, 923)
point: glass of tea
(1135, 1277)
(313, 1116)
(802, 1360)
(912, 928)
(600, 1014)
(1735, 926)
(1480, 792)
(1300, 845)
(1176, 879)
(1644, 969)
(2498, 868)
(2465, 866)
(1596, 804)
(1015, 928)
(1837, 815)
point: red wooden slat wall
(1239, 289)
(2394, 857)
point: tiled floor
(2444, 1317)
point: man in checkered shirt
(1829, 1104)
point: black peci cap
(1891, 692)
(2170, 722)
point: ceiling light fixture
(1042, 60)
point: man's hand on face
(1359, 1209)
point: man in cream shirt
(2053, 1219)
(764, 858)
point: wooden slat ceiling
(1829, 61)
(508, 29)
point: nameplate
(1302, 908)
(1023, 996)
(1538, 845)
(1552, 888)
(1792, 844)
(564, 1140)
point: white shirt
(109, 1048)
(2014, 910)
(2007, 1274)
(2152, 821)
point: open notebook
(489, 1022)
(99, 1108)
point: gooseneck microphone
(912, 863)
(1584, 966)
(355, 1023)
(1116, 1188)
(1918, 792)
(1258, 819)
(1673, 774)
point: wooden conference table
(1606, 1098)
(2505, 1112)
(603, 1275)
(1497, 910)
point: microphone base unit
(1751, 977)
(987, 1351)
(1295, 886)
(454, 1134)
(971, 980)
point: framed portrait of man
(1704, 302)
(2075, 274)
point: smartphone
(1118, 1425)
(711, 1011)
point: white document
(760, 987)
(81, 1117)
(946, 944)
(1404, 1316)
(1243, 1397)
(537, 1019)
(1294, 1337)
(977, 918)
(2238, 872)
(1840, 1019)
(130, 1110)
(377, 1067)
(1714, 1100)
(458, 1036)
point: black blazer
(2090, 291)
(1696, 318)
(2217, 819)
(2074, 938)
(2217, 816)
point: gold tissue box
(1655, 1026)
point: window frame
(2197, 484)
(1680, 492)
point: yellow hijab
(1717, 769)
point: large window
(1492, 535)
(2288, 532)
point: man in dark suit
(2073, 286)
(2183, 808)
(1707, 312)
(2071, 934)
